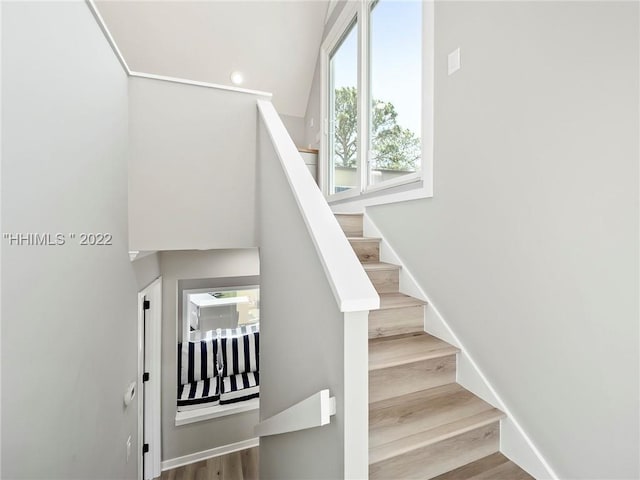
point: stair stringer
(515, 444)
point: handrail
(314, 411)
(351, 287)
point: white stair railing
(315, 301)
(348, 281)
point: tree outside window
(392, 146)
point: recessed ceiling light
(237, 78)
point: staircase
(421, 423)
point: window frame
(353, 23)
(411, 186)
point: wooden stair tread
(380, 266)
(398, 300)
(367, 249)
(397, 417)
(385, 352)
(402, 424)
(506, 471)
(441, 456)
(351, 224)
(385, 277)
(494, 467)
(429, 437)
(472, 469)
(364, 239)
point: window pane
(395, 86)
(206, 311)
(343, 114)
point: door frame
(149, 360)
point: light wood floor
(242, 465)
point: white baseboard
(515, 446)
(514, 442)
(213, 452)
(408, 284)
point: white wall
(192, 167)
(203, 268)
(295, 128)
(529, 247)
(146, 269)
(68, 312)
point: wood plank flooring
(241, 465)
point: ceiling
(273, 43)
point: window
(395, 81)
(207, 310)
(377, 89)
(343, 130)
(218, 351)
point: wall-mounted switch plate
(453, 61)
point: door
(149, 361)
